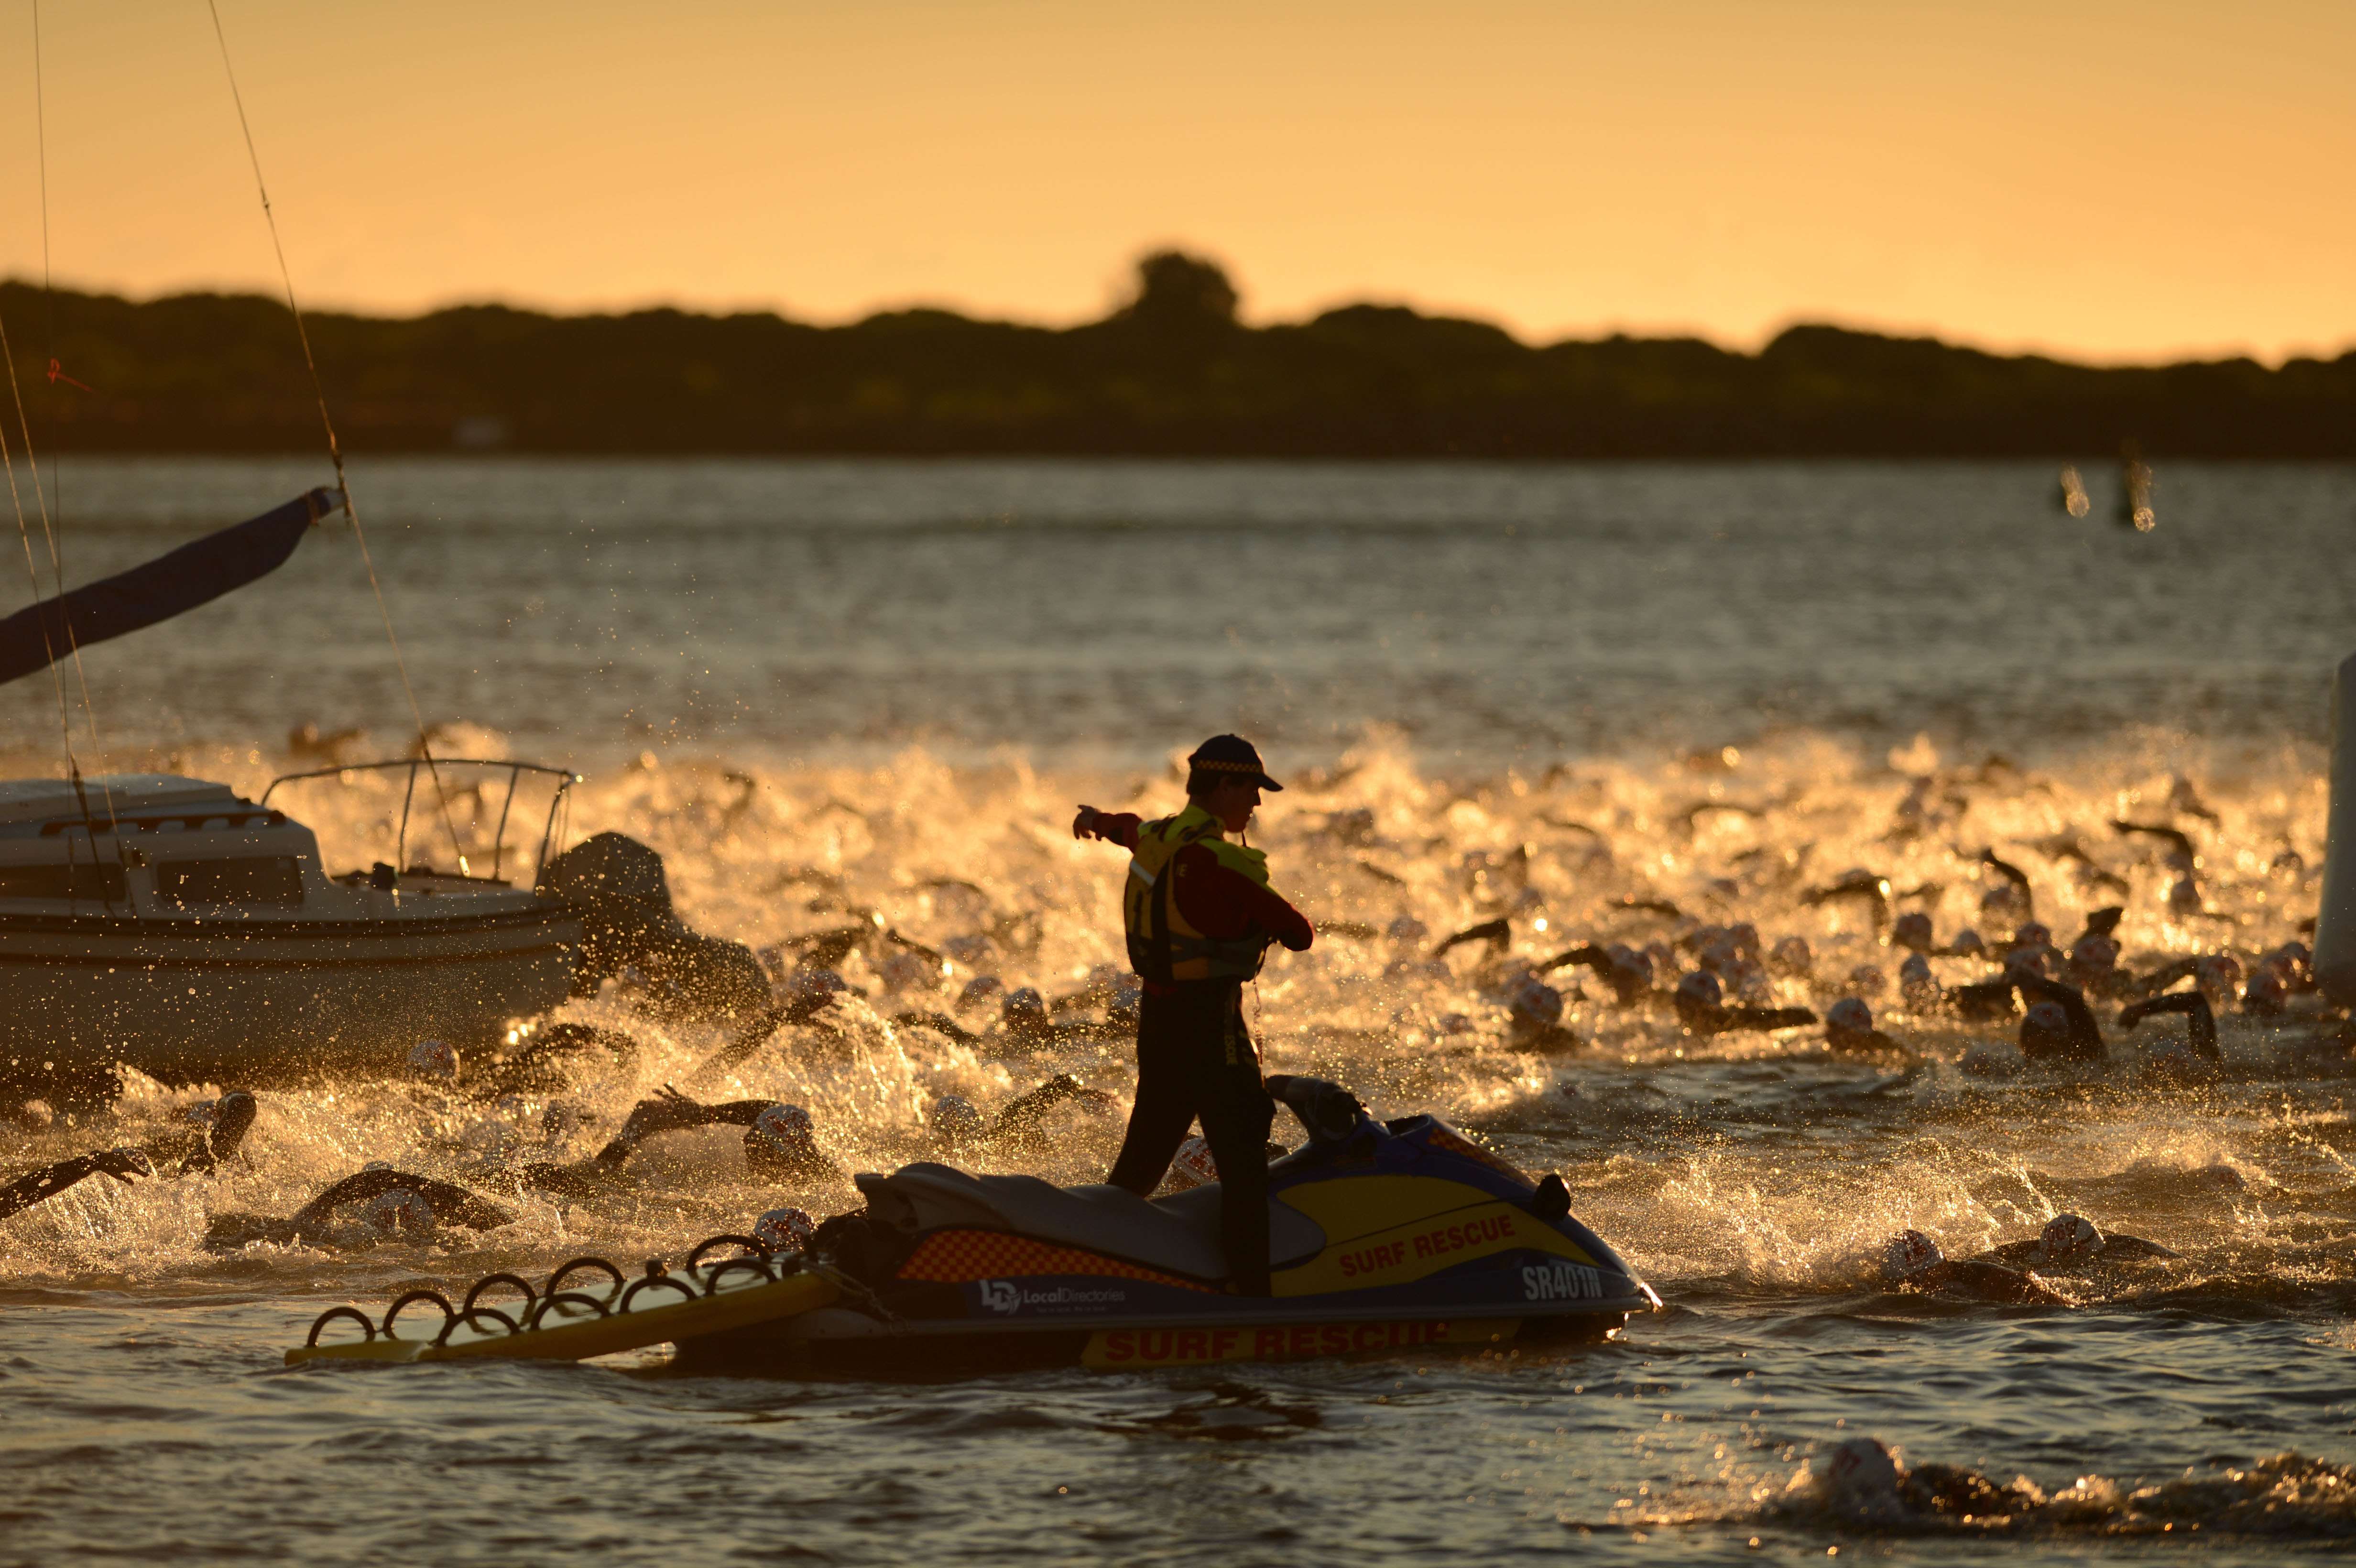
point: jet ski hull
(1398, 1240)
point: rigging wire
(335, 447)
(56, 483)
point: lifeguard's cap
(1231, 754)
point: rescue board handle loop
(719, 1270)
(650, 1282)
(435, 1296)
(475, 1290)
(556, 1280)
(330, 1315)
(565, 1298)
(753, 1244)
(493, 1313)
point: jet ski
(1385, 1236)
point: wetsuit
(1199, 920)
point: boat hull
(267, 1000)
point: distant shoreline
(1171, 374)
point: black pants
(1195, 1059)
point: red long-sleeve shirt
(1220, 903)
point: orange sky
(2109, 180)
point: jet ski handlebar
(1329, 1111)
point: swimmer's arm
(1586, 953)
(40, 1185)
(357, 1188)
(1026, 1111)
(2132, 1247)
(667, 1111)
(2200, 1020)
(454, 1205)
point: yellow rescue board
(568, 1332)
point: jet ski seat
(1180, 1233)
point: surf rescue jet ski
(1385, 1236)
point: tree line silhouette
(1171, 372)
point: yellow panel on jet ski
(651, 1319)
(1391, 1230)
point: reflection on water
(1606, 725)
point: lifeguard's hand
(1084, 823)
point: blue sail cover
(195, 573)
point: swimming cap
(907, 972)
(1701, 987)
(1915, 970)
(1745, 937)
(401, 1209)
(1025, 1005)
(956, 1119)
(1407, 928)
(2265, 993)
(1720, 956)
(1860, 1476)
(2068, 1236)
(2034, 934)
(1908, 1254)
(1848, 1015)
(1629, 966)
(2096, 954)
(1968, 944)
(1869, 980)
(1192, 1165)
(433, 1059)
(785, 1230)
(1534, 1002)
(1791, 956)
(981, 989)
(2046, 1024)
(786, 1128)
(1912, 930)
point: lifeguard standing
(1200, 916)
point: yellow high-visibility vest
(1162, 946)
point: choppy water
(889, 681)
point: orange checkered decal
(953, 1257)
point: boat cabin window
(270, 882)
(80, 880)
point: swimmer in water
(2060, 1026)
(1628, 972)
(2073, 1243)
(399, 1203)
(1701, 1008)
(781, 1144)
(218, 1129)
(1912, 1262)
(1848, 1027)
(960, 1128)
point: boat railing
(551, 828)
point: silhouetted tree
(1178, 292)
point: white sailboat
(171, 925)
